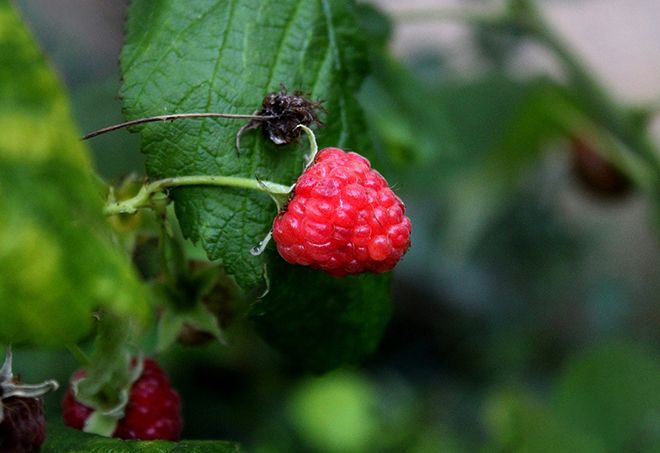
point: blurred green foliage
(58, 262)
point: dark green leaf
(320, 322)
(68, 440)
(225, 56)
(57, 258)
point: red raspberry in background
(153, 410)
(343, 218)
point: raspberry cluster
(343, 218)
(152, 412)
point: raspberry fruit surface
(153, 410)
(23, 427)
(343, 218)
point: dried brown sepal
(285, 111)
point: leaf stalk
(143, 197)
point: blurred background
(527, 313)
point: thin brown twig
(175, 116)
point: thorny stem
(176, 116)
(143, 197)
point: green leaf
(225, 56)
(68, 440)
(57, 258)
(320, 322)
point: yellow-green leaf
(58, 262)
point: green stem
(143, 197)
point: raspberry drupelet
(343, 218)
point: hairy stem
(143, 197)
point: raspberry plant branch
(175, 116)
(278, 192)
(143, 197)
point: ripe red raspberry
(153, 410)
(343, 218)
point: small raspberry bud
(343, 218)
(152, 412)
